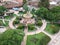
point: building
(13, 0)
(12, 3)
(33, 2)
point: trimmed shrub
(16, 22)
(21, 26)
(39, 23)
(31, 27)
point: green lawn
(52, 28)
(38, 39)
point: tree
(39, 23)
(24, 2)
(55, 9)
(11, 37)
(41, 12)
(33, 11)
(31, 27)
(21, 26)
(2, 10)
(51, 15)
(25, 7)
(56, 13)
(44, 3)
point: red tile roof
(19, 1)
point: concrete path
(51, 36)
(41, 29)
(55, 40)
(38, 29)
(11, 23)
(2, 30)
(25, 37)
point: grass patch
(1, 23)
(38, 39)
(52, 28)
(31, 27)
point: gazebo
(27, 19)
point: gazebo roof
(28, 15)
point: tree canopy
(2, 9)
(44, 3)
(11, 37)
(41, 12)
(52, 15)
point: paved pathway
(51, 36)
(55, 40)
(34, 32)
(39, 29)
(2, 30)
(11, 23)
(25, 37)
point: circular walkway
(11, 23)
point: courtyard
(30, 26)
